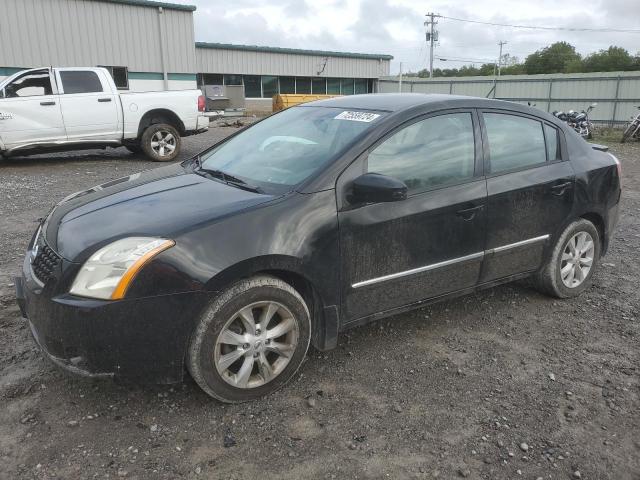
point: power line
(445, 57)
(533, 27)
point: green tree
(613, 59)
(552, 59)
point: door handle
(47, 104)
(104, 99)
(560, 188)
(469, 213)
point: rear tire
(573, 261)
(161, 142)
(260, 326)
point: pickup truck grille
(45, 263)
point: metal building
(266, 71)
(149, 45)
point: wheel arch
(598, 222)
(322, 310)
(160, 115)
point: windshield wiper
(229, 179)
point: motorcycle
(633, 129)
(579, 121)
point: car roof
(396, 102)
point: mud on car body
(317, 219)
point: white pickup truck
(57, 109)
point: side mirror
(376, 188)
(593, 105)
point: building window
(333, 86)
(287, 85)
(346, 86)
(319, 86)
(303, 85)
(252, 88)
(233, 79)
(120, 76)
(269, 86)
(210, 79)
(360, 85)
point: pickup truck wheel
(161, 142)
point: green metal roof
(150, 3)
(294, 51)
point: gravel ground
(503, 384)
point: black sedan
(322, 217)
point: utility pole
(400, 79)
(432, 36)
(501, 43)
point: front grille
(45, 264)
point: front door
(30, 111)
(530, 192)
(430, 244)
(89, 107)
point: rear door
(530, 187)
(89, 107)
(430, 244)
(30, 110)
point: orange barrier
(282, 101)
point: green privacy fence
(616, 93)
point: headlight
(108, 272)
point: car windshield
(285, 149)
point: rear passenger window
(427, 154)
(80, 81)
(553, 145)
(514, 142)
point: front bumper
(143, 339)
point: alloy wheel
(577, 259)
(163, 143)
(256, 344)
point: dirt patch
(453, 389)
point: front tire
(250, 341)
(161, 142)
(573, 261)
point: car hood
(163, 202)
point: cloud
(396, 26)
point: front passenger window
(428, 154)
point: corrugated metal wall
(215, 60)
(616, 93)
(87, 33)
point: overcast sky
(396, 27)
